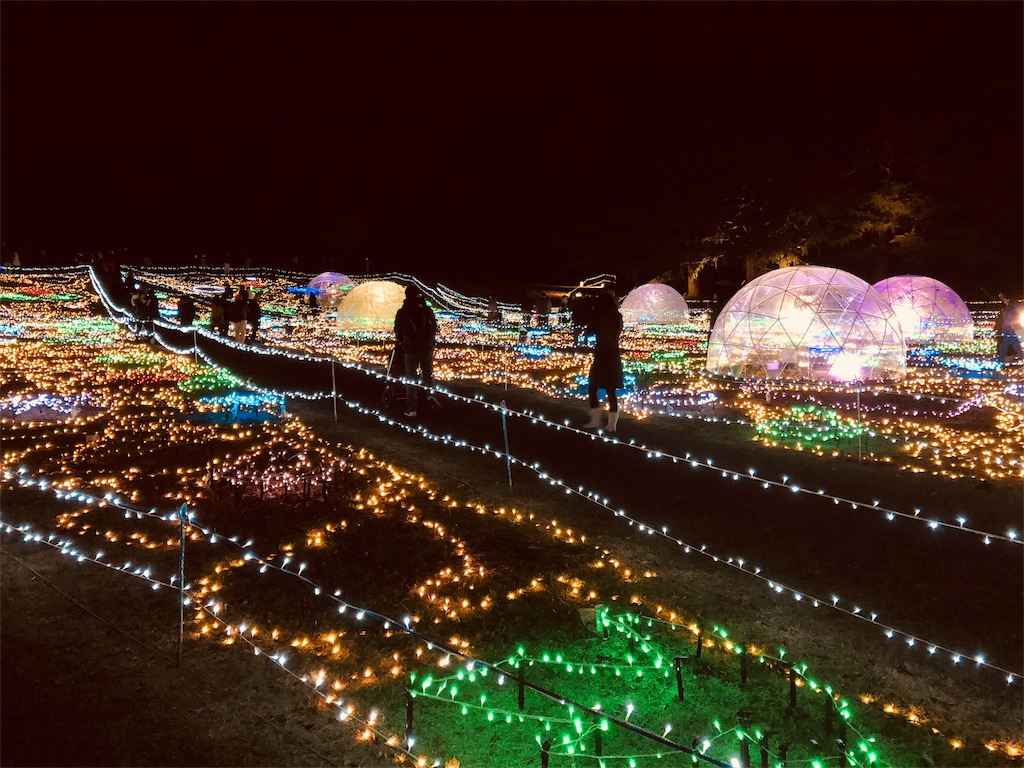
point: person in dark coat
(253, 315)
(415, 331)
(237, 311)
(150, 310)
(186, 310)
(606, 370)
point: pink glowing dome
(654, 303)
(331, 288)
(808, 324)
(928, 311)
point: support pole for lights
(182, 514)
(860, 452)
(334, 391)
(508, 456)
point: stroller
(394, 395)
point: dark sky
(462, 137)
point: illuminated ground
(470, 573)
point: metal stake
(508, 457)
(334, 392)
(182, 513)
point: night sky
(543, 141)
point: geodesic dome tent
(330, 288)
(371, 306)
(808, 323)
(654, 303)
(928, 310)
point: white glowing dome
(371, 306)
(808, 323)
(330, 288)
(654, 303)
(928, 311)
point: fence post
(195, 347)
(522, 688)
(679, 676)
(182, 513)
(508, 457)
(409, 700)
(545, 753)
(743, 668)
(792, 686)
(334, 391)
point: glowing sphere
(371, 306)
(654, 303)
(330, 288)
(808, 324)
(928, 311)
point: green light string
(630, 626)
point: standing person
(1008, 329)
(225, 301)
(415, 331)
(253, 315)
(150, 312)
(217, 314)
(606, 370)
(186, 310)
(236, 312)
(543, 310)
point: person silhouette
(606, 370)
(415, 333)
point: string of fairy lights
(976, 459)
(69, 548)
(473, 666)
(687, 458)
(641, 646)
(775, 586)
(438, 437)
(346, 711)
(673, 620)
(737, 563)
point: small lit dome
(928, 311)
(330, 288)
(655, 303)
(371, 306)
(808, 323)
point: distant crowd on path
(236, 315)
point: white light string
(68, 548)
(343, 606)
(890, 514)
(737, 563)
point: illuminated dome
(330, 288)
(808, 323)
(928, 311)
(371, 306)
(654, 303)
